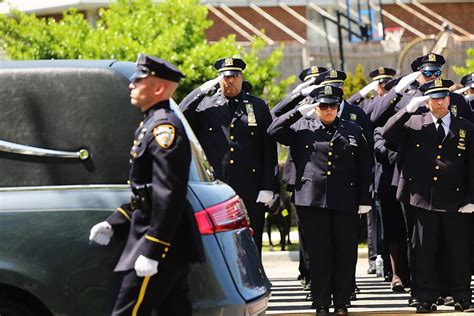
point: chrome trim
(68, 187)
(13, 148)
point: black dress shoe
(340, 310)
(425, 307)
(464, 306)
(413, 302)
(397, 287)
(371, 270)
(440, 301)
(353, 296)
(388, 277)
(322, 310)
(309, 297)
(356, 290)
(448, 301)
(307, 286)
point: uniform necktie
(440, 130)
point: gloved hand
(364, 209)
(307, 109)
(415, 103)
(145, 266)
(303, 85)
(406, 81)
(265, 197)
(368, 88)
(306, 91)
(208, 85)
(462, 90)
(101, 233)
(468, 208)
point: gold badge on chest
(462, 140)
(454, 110)
(252, 121)
(353, 117)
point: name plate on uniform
(252, 121)
(352, 141)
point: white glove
(306, 91)
(462, 90)
(145, 266)
(208, 85)
(415, 103)
(303, 85)
(406, 81)
(468, 208)
(101, 233)
(364, 209)
(368, 88)
(307, 109)
(265, 196)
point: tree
(354, 83)
(172, 29)
(462, 71)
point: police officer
(163, 237)
(468, 88)
(436, 188)
(380, 77)
(332, 184)
(231, 126)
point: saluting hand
(462, 90)
(415, 103)
(406, 81)
(364, 209)
(468, 208)
(145, 266)
(307, 110)
(368, 88)
(208, 85)
(303, 85)
(101, 233)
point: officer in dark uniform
(426, 68)
(332, 184)
(468, 88)
(163, 237)
(380, 77)
(231, 126)
(436, 188)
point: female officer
(332, 183)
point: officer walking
(163, 237)
(332, 184)
(436, 188)
(231, 126)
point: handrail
(14, 148)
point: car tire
(14, 308)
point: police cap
(327, 94)
(382, 74)
(468, 80)
(153, 66)
(331, 77)
(431, 61)
(311, 72)
(230, 66)
(438, 88)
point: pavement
(288, 296)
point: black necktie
(440, 130)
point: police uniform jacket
(331, 171)
(385, 160)
(433, 176)
(353, 113)
(366, 104)
(237, 146)
(162, 224)
(288, 103)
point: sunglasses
(325, 106)
(429, 73)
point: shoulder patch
(164, 135)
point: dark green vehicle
(65, 134)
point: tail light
(225, 216)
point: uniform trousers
(303, 266)
(331, 239)
(440, 236)
(162, 294)
(256, 212)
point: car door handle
(14, 148)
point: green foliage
(462, 71)
(354, 82)
(173, 30)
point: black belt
(141, 197)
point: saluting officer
(163, 237)
(425, 69)
(468, 88)
(231, 126)
(436, 187)
(332, 184)
(380, 77)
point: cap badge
(314, 69)
(432, 57)
(438, 83)
(327, 90)
(333, 73)
(229, 61)
(381, 71)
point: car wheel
(14, 308)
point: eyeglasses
(429, 73)
(325, 106)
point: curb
(295, 256)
